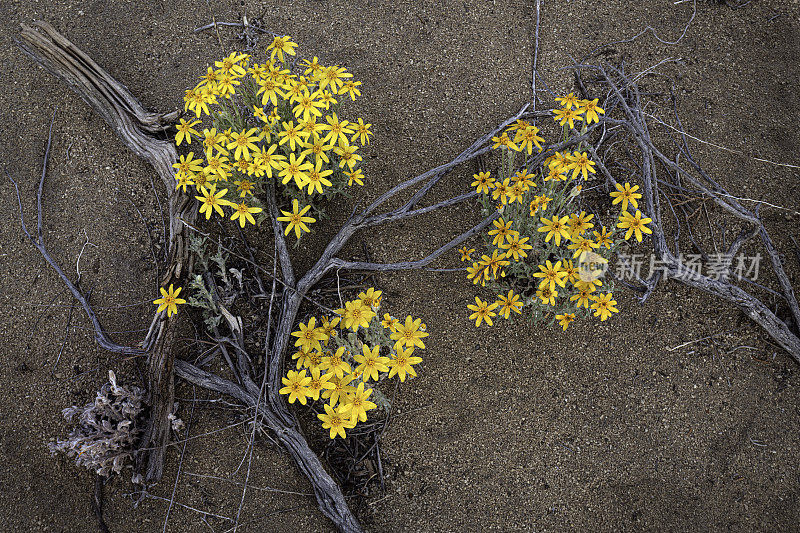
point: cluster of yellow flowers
(540, 252)
(572, 109)
(341, 369)
(267, 122)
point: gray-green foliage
(212, 281)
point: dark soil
(510, 428)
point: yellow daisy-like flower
(625, 194)
(635, 224)
(347, 156)
(185, 131)
(244, 143)
(466, 253)
(295, 169)
(270, 91)
(551, 275)
(502, 231)
(584, 295)
(291, 133)
(188, 165)
(604, 306)
(509, 303)
(547, 295)
(318, 383)
(502, 191)
(592, 109)
(516, 246)
(483, 182)
(341, 387)
(337, 420)
(269, 160)
(169, 300)
(329, 327)
(371, 298)
(565, 320)
(567, 115)
(556, 228)
(230, 64)
(477, 274)
(339, 130)
(400, 364)
(603, 238)
(581, 246)
(217, 166)
(578, 223)
(358, 403)
(244, 213)
(362, 132)
(309, 336)
(483, 312)
(212, 201)
(244, 187)
(568, 101)
(335, 364)
(504, 142)
(527, 138)
(356, 176)
(184, 180)
(280, 46)
(580, 163)
(409, 334)
(351, 87)
(355, 315)
(296, 219)
(312, 67)
(389, 322)
(371, 363)
(333, 77)
(307, 107)
(296, 386)
(317, 177)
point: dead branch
(134, 125)
(623, 92)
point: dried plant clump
(107, 429)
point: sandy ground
(512, 428)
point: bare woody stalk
(691, 180)
(134, 125)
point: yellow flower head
(400, 364)
(483, 311)
(337, 420)
(280, 46)
(371, 363)
(296, 219)
(635, 224)
(466, 253)
(169, 300)
(509, 303)
(296, 386)
(409, 334)
(604, 306)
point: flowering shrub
(341, 369)
(544, 253)
(266, 123)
